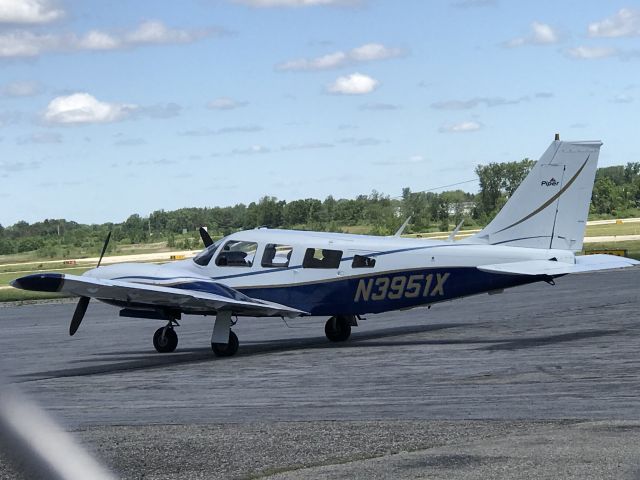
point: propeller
(104, 248)
(83, 303)
(78, 315)
(206, 238)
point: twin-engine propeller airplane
(285, 273)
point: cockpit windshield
(204, 257)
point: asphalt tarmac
(538, 382)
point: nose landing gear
(165, 340)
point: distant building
(461, 208)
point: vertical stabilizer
(550, 207)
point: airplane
(287, 273)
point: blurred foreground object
(37, 446)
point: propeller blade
(104, 249)
(78, 315)
(206, 238)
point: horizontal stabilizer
(155, 296)
(586, 263)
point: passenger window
(321, 258)
(237, 253)
(360, 261)
(276, 255)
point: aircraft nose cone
(40, 282)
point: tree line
(616, 193)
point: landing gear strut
(226, 349)
(338, 328)
(165, 339)
(224, 342)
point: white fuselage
(396, 273)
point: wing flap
(154, 295)
(584, 263)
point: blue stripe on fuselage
(378, 292)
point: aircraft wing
(584, 263)
(138, 294)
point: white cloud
(365, 53)
(379, 106)
(156, 32)
(21, 89)
(331, 60)
(374, 51)
(294, 3)
(252, 150)
(476, 101)
(225, 103)
(354, 84)
(203, 132)
(26, 44)
(589, 53)
(22, 43)
(361, 142)
(29, 11)
(625, 23)
(468, 126)
(82, 108)
(306, 146)
(97, 40)
(541, 34)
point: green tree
(498, 181)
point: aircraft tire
(226, 349)
(340, 331)
(168, 343)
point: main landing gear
(224, 342)
(226, 349)
(338, 328)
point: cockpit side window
(237, 253)
(321, 258)
(276, 255)
(361, 261)
(204, 257)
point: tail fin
(550, 207)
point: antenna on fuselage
(400, 231)
(452, 235)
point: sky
(114, 108)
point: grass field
(633, 247)
(6, 277)
(613, 229)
